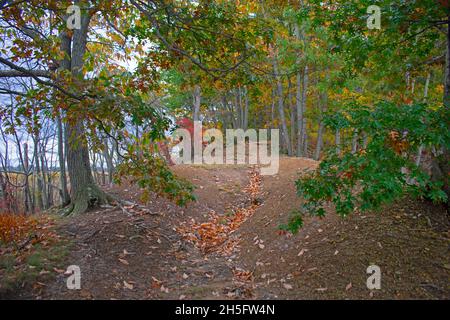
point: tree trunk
(292, 115)
(238, 107)
(319, 141)
(355, 141)
(84, 193)
(425, 96)
(108, 155)
(197, 103)
(8, 201)
(64, 193)
(272, 108)
(304, 97)
(322, 108)
(284, 130)
(102, 167)
(441, 163)
(246, 106)
(298, 99)
(37, 171)
(28, 203)
(44, 181)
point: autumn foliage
(214, 235)
(15, 227)
(21, 229)
(384, 170)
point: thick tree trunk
(84, 193)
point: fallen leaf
(123, 261)
(68, 273)
(128, 285)
(85, 294)
(59, 270)
(164, 289)
(348, 287)
(156, 283)
(287, 286)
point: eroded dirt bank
(150, 253)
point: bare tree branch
(29, 73)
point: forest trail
(166, 252)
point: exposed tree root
(93, 197)
(86, 199)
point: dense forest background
(91, 92)
(78, 103)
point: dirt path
(145, 254)
(329, 257)
(140, 255)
